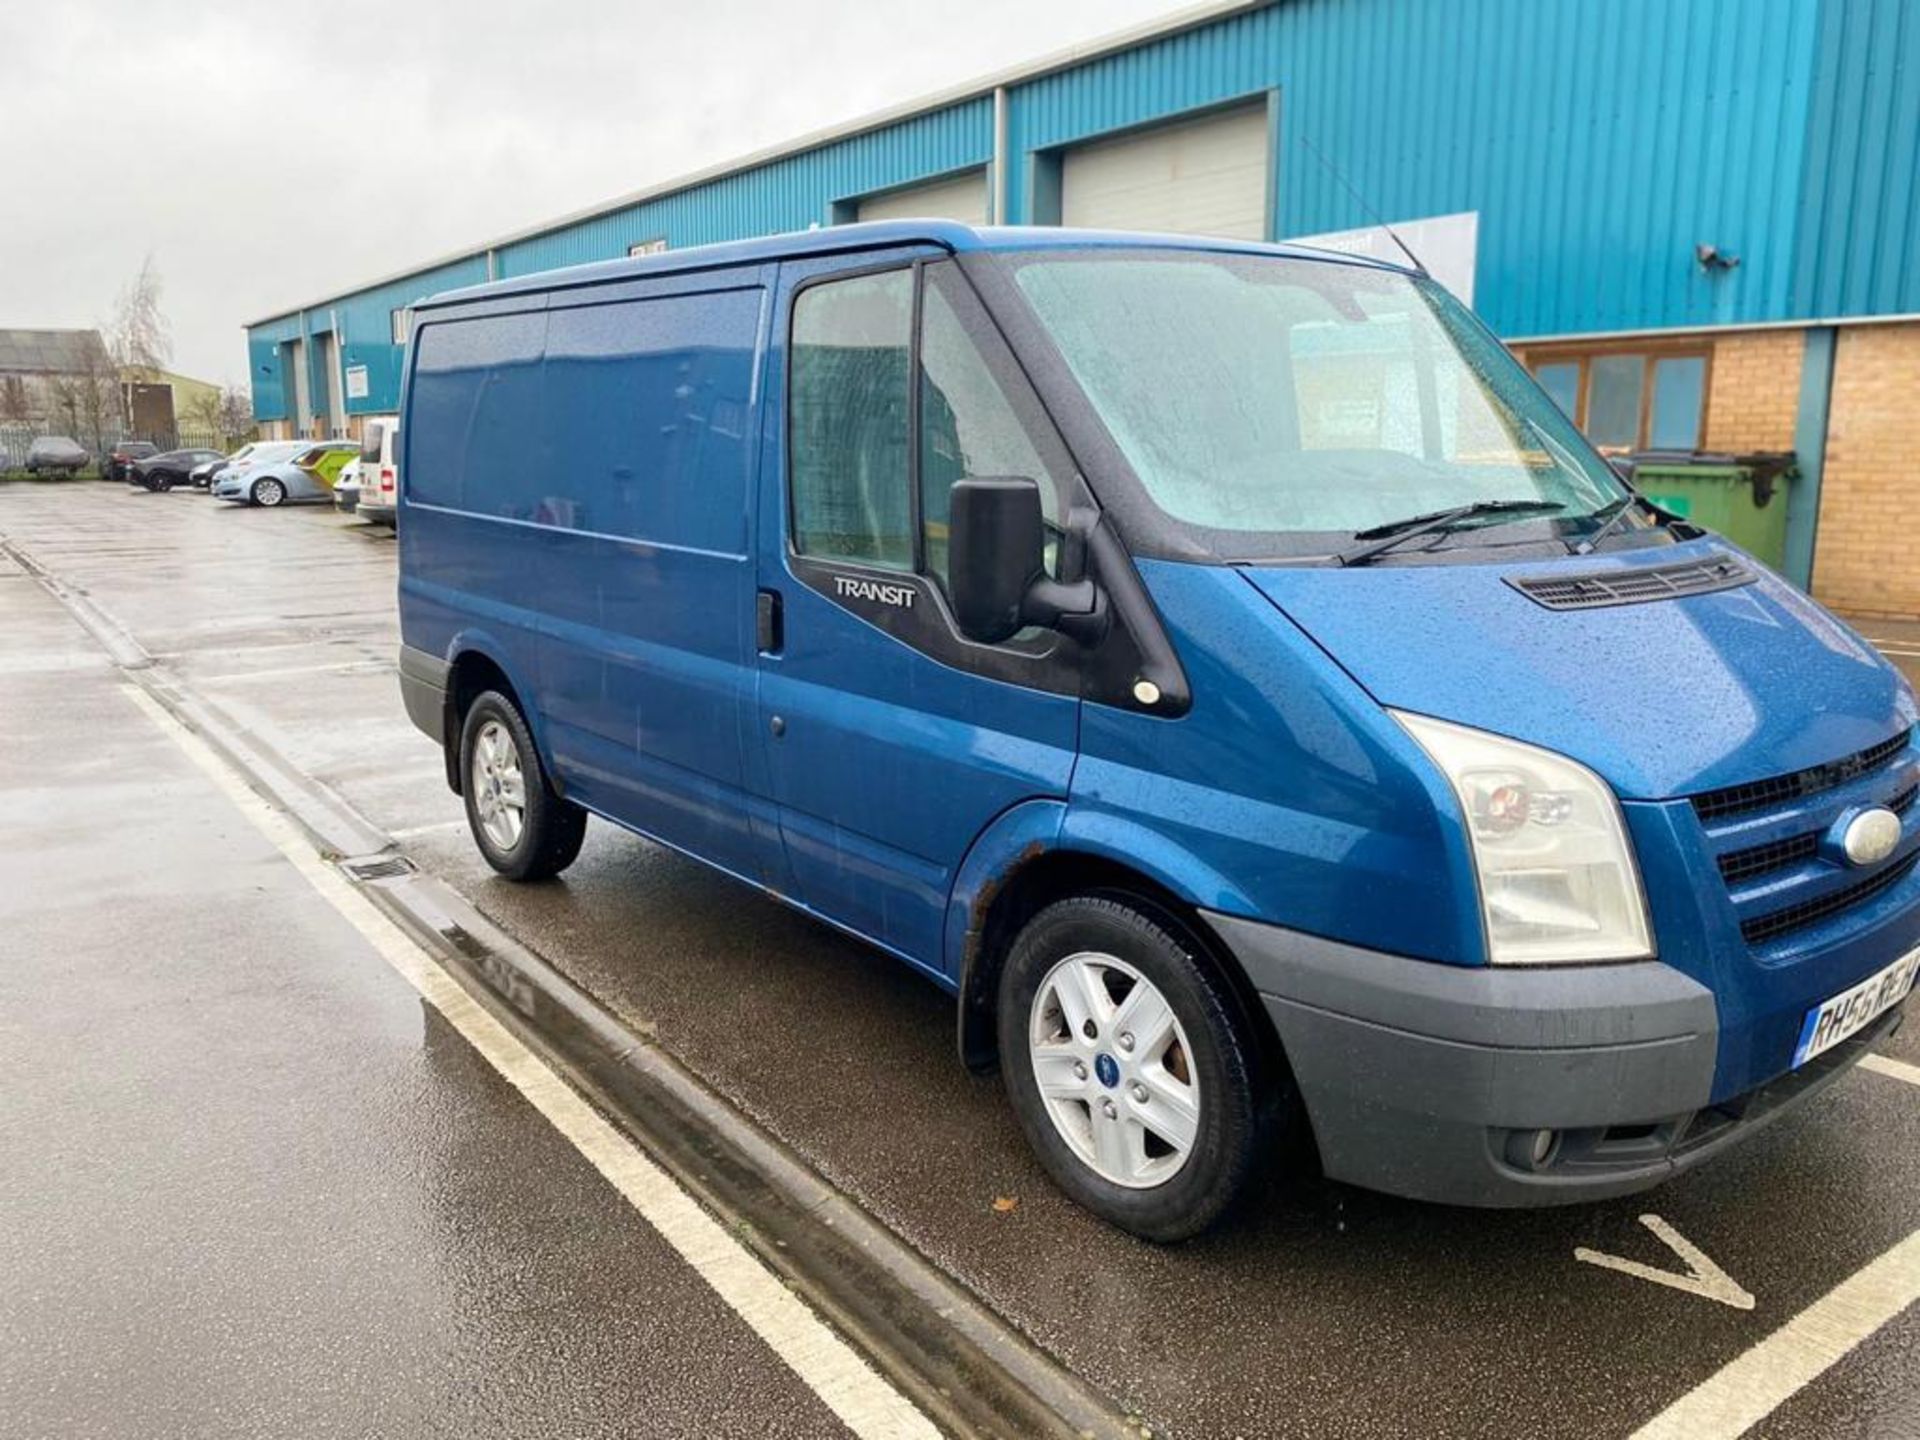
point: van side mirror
(996, 565)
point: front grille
(1597, 588)
(1903, 802)
(1770, 926)
(1780, 789)
(1738, 865)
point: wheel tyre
(1222, 1060)
(552, 829)
(268, 493)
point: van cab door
(890, 741)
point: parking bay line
(1750, 1387)
(1887, 1065)
(825, 1363)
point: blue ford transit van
(1218, 665)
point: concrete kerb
(966, 1368)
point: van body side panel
(888, 764)
(649, 594)
(1300, 799)
(578, 479)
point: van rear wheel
(523, 827)
(1126, 1068)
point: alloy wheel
(1115, 1070)
(499, 785)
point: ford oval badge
(1870, 836)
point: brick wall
(1867, 555)
(1754, 390)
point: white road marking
(1887, 1065)
(414, 832)
(1752, 1386)
(863, 1400)
(1703, 1277)
(336, 667)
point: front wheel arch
(1045, 876)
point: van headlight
(1558, 882)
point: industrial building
(1698, 221)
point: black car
(170, 467)
(119, 464)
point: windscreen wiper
(1608, 526)
(1385, 537)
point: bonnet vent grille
(1598, 588)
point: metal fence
(16, 438)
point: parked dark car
(55, 452)
(203, 476)
(119, 464)
(171, 467)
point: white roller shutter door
(1195, 177)
(962, 198)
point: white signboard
(356, 382)
(1446, 244)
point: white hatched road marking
(825, 1363)
(1703, 1277)
(1747, 1389)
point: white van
(378, 480)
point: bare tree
(225, 414)
(139, 340)
(64, 391)
(15, 402)
(204, 411)
(236, 413)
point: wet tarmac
(249, 1183)
(1320, 1311)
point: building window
(402, 323)
(1653, 398)
(655, 246)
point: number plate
(1851, 1011)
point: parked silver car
(286, 471)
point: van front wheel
(1127, 1071)
(525, 830)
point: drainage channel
(969, 1371)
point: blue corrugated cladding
(1859, 213)
(1598, 142)
(265, 371)
(366, 328)
(787, 194)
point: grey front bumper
(1431, 1080)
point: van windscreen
(1273, 406)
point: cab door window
(864, 489)
(848, 420)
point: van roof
(874, 235)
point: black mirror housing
(996, 566)
(996, 544)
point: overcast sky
(269, 154)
